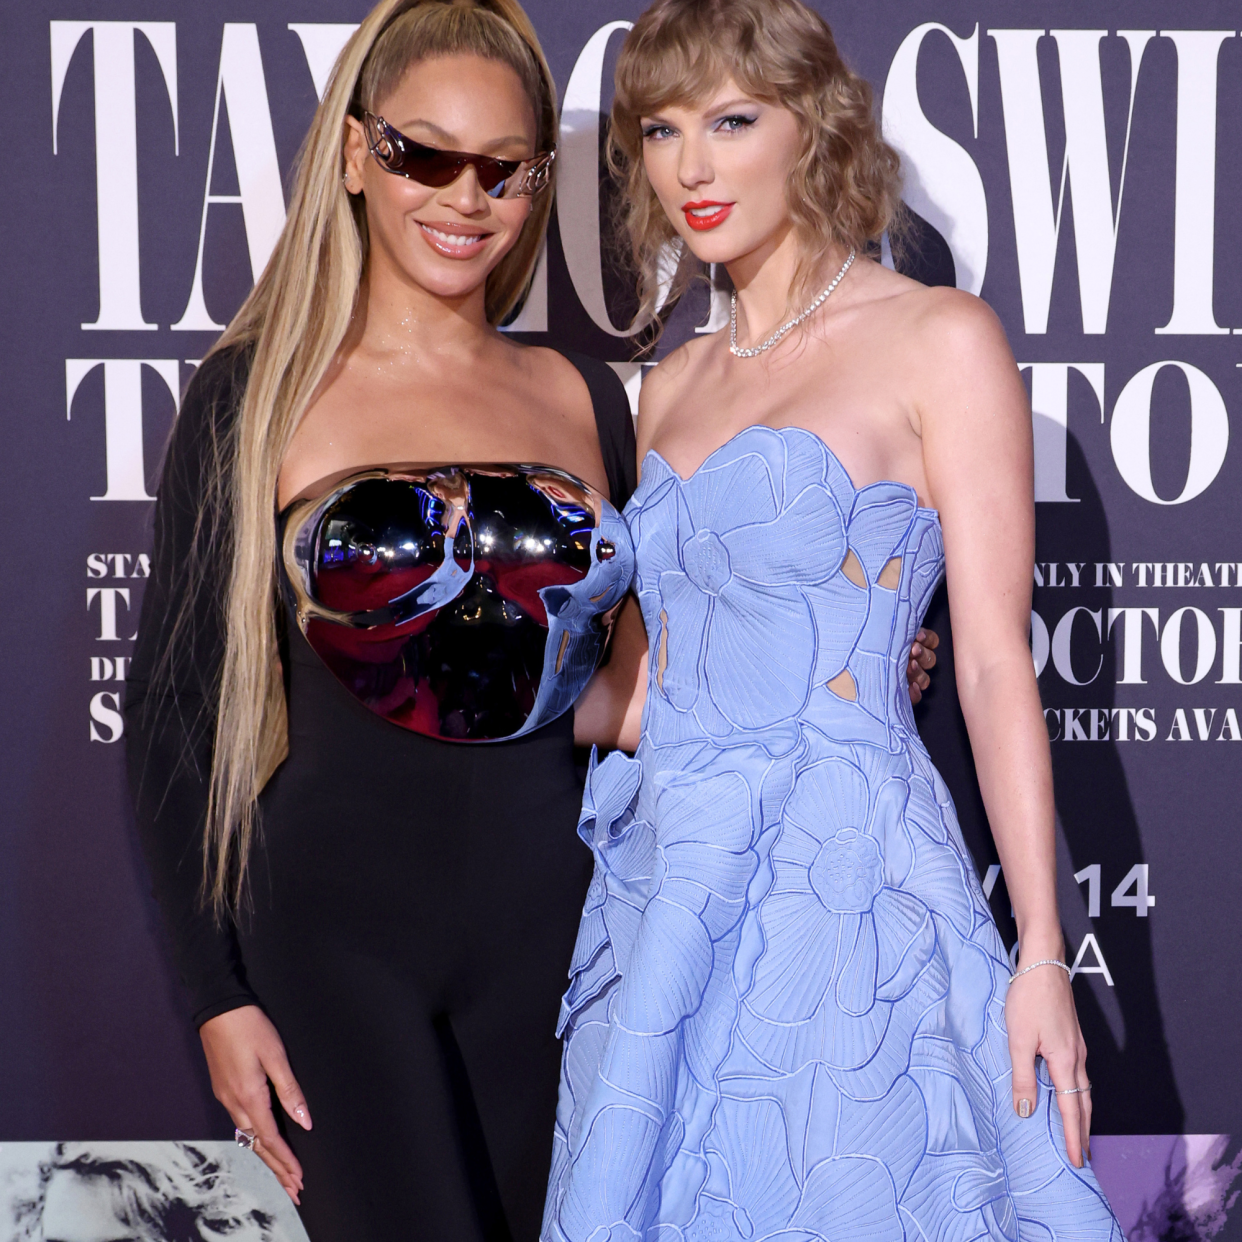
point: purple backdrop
(1083, 178)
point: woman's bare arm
(609, 710)
(978, 456)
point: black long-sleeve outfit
(412, 903)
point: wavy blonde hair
(293, 322)
(845, 186)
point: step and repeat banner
(1074, 164)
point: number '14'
(1132, 891)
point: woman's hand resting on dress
(922, 660)
(1042, 1022)
(245, 1053)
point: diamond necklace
(785, 328)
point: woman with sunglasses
(388, 914)
(390, 910)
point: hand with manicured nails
(922, 659)
(1042, 1022)
(244, 1054)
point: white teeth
(454, 239)
(705, 211)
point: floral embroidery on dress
(785, 1015)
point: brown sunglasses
(430, 166)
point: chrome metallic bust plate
(470, 603)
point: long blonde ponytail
(293, 322)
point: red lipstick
(699, 218)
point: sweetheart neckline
(823, 444)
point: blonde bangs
(680, 70)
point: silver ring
(1075, 1090)
(245, 1139)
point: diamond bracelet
(1047, 961)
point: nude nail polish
(1024, 1109)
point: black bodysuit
(412, 903)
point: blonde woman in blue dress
(791, 1014)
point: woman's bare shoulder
(950, 326)
(553, 383)
(961, 371)
(937, 311)
(542, 364)
(666, 384)
(935, 336)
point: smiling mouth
(451, 243)
(704, 216)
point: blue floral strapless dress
(786, 1011)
